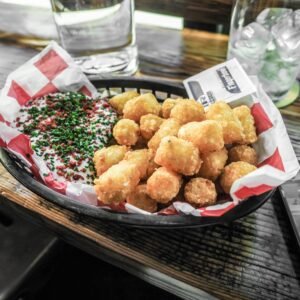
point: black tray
(161, 90)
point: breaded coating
(107, 157)
(243, 113)
(163, 185)
(114, 185)
(152, 166)
(168, 127)
(126, 132)
(200, 192)
(118, 101)
(213, 164)
(167, 106)
(149, 124)
(233, 172)
(178, 155)
(137, 107)
(243, 153)
(188, 111)
(140, 199)
(141, 160)
(207, 135)
(232, 127)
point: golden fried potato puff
(243, 113)
(232, 127)
(233, 172)
(207, 135)
(126, 132)
(114, 185)
(213, 164)
(163, 185)
(243, 153)
(118, 102)
(142, 105)
(188, 111)
(107, 157)
(141, 199)
(200, 192)
(168, 127)
(149, 124)
(178, 155)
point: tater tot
(232, 128)
(207, 135)
(152, 166)
(243, 153)
(114, 185)
(243, 113)
(188, 111)
(178, 155)
(149, 124)
(213, 164)
(126, 132)
(107, 157)
(137, 107)
(163, 185)
(200, 192)
(141, 199)
(140, 158)
(167, 106)
(118, 101)
(168, 127)
(233, 172)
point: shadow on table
(81, 276)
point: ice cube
(253, 40)
(270, 16)
(297, 18)
(286, 34)
(249, 45)
(292, 43)
(282, 28)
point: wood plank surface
(178, 54)
(162, 52)
(253, 258)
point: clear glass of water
(265, 38)
(99, 34)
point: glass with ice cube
(265, 38)
(99, 34)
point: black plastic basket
(161, 90)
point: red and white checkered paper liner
(53, 70)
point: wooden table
(253, 258)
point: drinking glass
(265, 38)
(99, 34)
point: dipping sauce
(66, 129)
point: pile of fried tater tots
(173, 151)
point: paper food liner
(53, 70)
